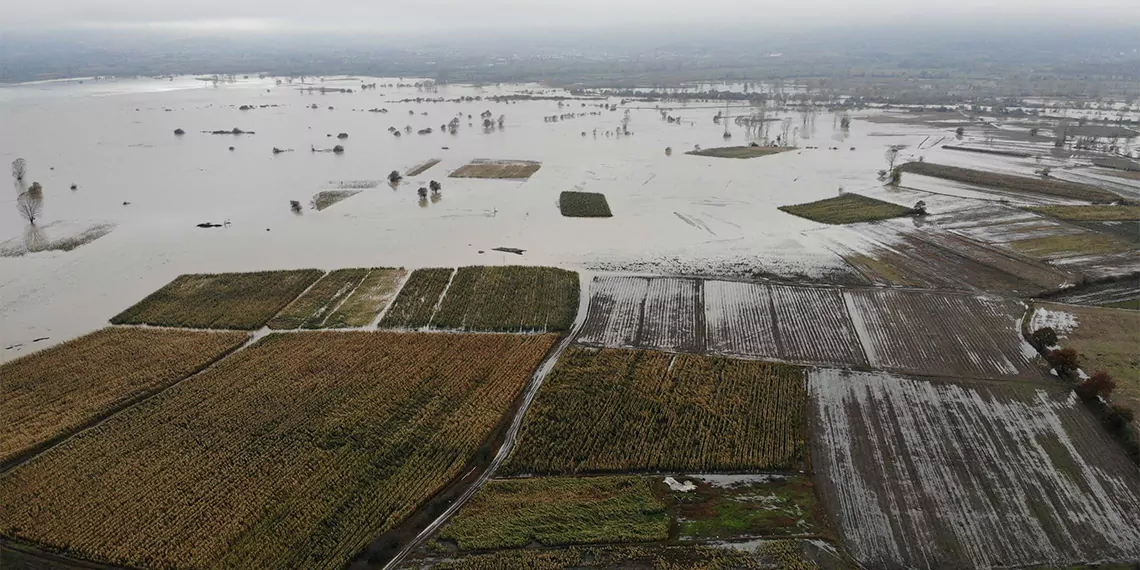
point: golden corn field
(310, 310)
(294, 453)
(509, 299)
(615, 410)
(243, 301)
(52, 393)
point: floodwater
(114, 139)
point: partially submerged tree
(896, 176)
(29, 205)
(395, 176)
(892, 155)
(19, 168)
(1064, 360)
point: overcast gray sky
(387, 15)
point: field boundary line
(510, 437)
(346, 297)
(442, 294)
(98, 420)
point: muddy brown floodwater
(115, 140)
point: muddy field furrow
(932, 474)
(672, 307)
(614, 317)
(739, 319)
(815, 327)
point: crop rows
(501, 169)
(509, 299)
(369, 298)
(906, 331)
(584, 205)
(847, 209)
(948, 335)
(921, 474)
(49, 394)
(615, 410)
(422, 167)
(313, 307)
(559, 511)
(243, 301)
(663, 557)
(416, 304)
(295, 452)
(327, 198)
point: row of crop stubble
(295, 452)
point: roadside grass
(327, 198)
(422, 168)
(847, 209)
(584, 205)
(313, 307)
(1091, 213)
(498, 169)
(241, 301)
(559, 511)
(1009, 182)
(1061, 246)
(653, 556)
(741, 151)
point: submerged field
(740, 151)
(501, 169)
(55, 392)
(243, 301)
(296, 452)
(605, 411)
(1011, 183)
(939, 474)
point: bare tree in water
(19, 168)
(892, 155)
(29, 205)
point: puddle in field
(115, 140)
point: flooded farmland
(140, 191)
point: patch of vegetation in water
(768, 506)
(498, 169)
(1013, 183)
(847, 209)
(741, 151)
(1091, 213)
(584, 205)
(327, 198)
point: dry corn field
(615, 410)
(938, 474)
(49, 394)
(294, 453)
(502, 169)
(243, 301)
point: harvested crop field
(243, 301)
(605, 411)
(418, 300)
(501, 169)
(271, 461)
(1091, 213)
(509, 299)
(932, 474)
(1011, 183)
(422, 167)
(584, 205)
(312, 309)
(52, 393)
(853, 327)
(741, 151)
(558, 511)
(327, 198)
(847, 209)
(937, 334)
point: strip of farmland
(926, 474)
(294, 453)
(916, 332)
(935, 334)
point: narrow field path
(510, 439)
